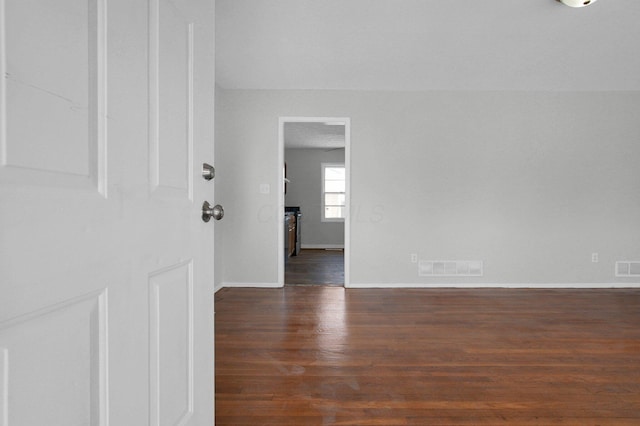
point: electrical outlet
(594, 258)
(414, 257)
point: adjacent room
(315, 201)
(489, 225)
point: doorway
(314, 155)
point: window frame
(322, 203)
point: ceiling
(427, 45)
(314, 135)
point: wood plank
(328, 355)
(314, 267)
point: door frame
(280, 191)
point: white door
(106, 267)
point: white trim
(252, 285)
(498, 285)
(280, 203)
(347, 165)
(190, 109)
(452, 285)
(322, 246)
(3, 88)
(4, 386)
(153, 93)
(347, 220)
(100, 173)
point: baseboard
(497, 285)
(322, 246)
(251, 285)
(450, 285)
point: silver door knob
(208, 212)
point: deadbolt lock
(208, 171)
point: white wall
(304, 169)
(531, 183)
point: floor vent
(450, 268)
(628, 268)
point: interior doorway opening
(314, 200)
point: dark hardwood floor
(318, 355)
(315, 267)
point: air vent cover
(450, 268)
(628, 268)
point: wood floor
(315, 267)
(318, 355)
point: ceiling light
(578, 3)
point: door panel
(46, 342)
(39, 102)
(43, 41)
(106, 269)
(171, 348)
(171, 77)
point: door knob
(208, 212)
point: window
(333, 192)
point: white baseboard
(251, 285)
(452, 285)
(322, 246)
(497, 285)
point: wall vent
(450, 268)
(628, 268)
